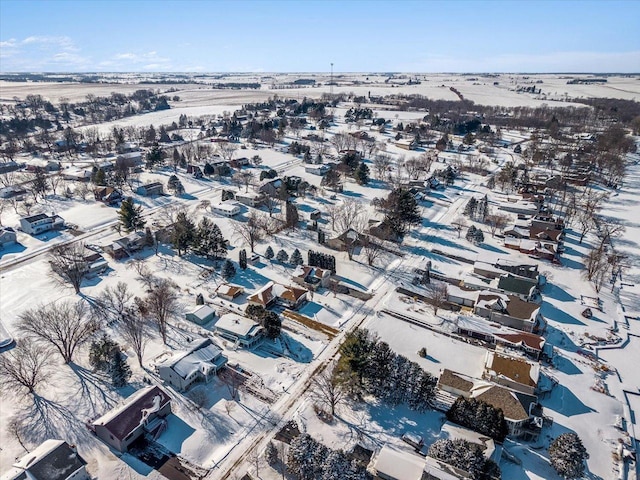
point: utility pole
(331, 82)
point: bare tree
(68, 264)
(116, 299)
(251, 231)
(372, 250)
(247, 179)
(227, 150)
(459, 223)
(382, 165)
(607, 230)
(437, 296)
(162, 305)
(496, 222)
(25, 367)
(64, 325)
(133, 327)
(327, 390)
(350, 215)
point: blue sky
(306, 36)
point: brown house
(143, 412)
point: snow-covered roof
(203, 354)
(51, 460)
(452, 431)
(516, 369)
(202, 312)
(226, 206)
(398, 464)
(238, 325)
(124, 419)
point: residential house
(520, 207)
(311, 278)
(270, 187)
(317, 169)
(346, 240)
(524, 288)
(520, 269)
(228, 291)
(545, 250)
(107, 195)
(51, 460)
(290, 297)
(407, 143)
(201, 363)
(227, 208)
(150, 189)
(143, 412)
(381, 229)
(7, 236)
(243, 331)
(263, 297)
(125, 246)
(521, 411)
(129, 151)
(76, 174)
(391, 463)
(461, 296)
(200, 315)
(10, 166)
(251, 199)
(508, 310)
(41, 222)
(513, 372)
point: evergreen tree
(228, 270)
(183, 233)
(470, 207)
(100, 177)
(362, 174)
(282, 256)
(272, 324)
(242, 259)
(149, 239)
(268, 253)
(176, 157)
(296, 257)
(209, 240)
(479, 416)
(567, 455)
(479, 236)
(291, 215)
(208, 169)
(271, 454)
(130, 216)
(402, 211)
(175, 185)
(471, 234)
(155, 156)
(119, 369)
(100, 352)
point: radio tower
(331, 82)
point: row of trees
(369, 366)
(309, 459)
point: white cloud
(42, 53)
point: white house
(52, 460)
(250, 199)
(201, 314)
(317, 169)
(200, 363)
(391, 463)
(227, 208)
(241, 330)
(41, 222)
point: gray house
(150, 189)
(52, 460)
(200, 363)
(7, 236)
(241, 330)
(142, 413)
(201, 314)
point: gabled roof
(511, 283)
(514, 405)
(123, 420)
(238, 325)
(52, 460)
(531, 340)
(515, 369)
(263, 296)
(511, 305)
(455, 380)
(292, 294)
(202, 354)
(202, 311)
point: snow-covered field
(208, 437)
